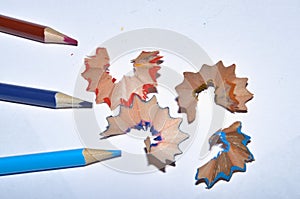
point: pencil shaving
(146, 66)
(233, 157)
(143, 115)
(230, 91)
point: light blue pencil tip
(115, 153)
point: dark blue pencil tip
(86, 104)
(115, 153)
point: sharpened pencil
(54, 160)
(39, 97)
(33, 31)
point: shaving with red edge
(113, 93)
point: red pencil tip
(70, 41)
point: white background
(261, 37)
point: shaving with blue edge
(232, 158)
(166, 135)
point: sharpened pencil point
(70, 41)
(66, 101)
(86, 104)
(96, 155)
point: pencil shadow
(152, 160)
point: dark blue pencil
(39, 97)
(54, 160)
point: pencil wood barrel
(54, 160)
(40, 97)
(22, 28)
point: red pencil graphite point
(70, 41)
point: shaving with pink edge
(230, 91)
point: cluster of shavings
(230, 91)
(232, 158)
(142, 115)
(137, 113)
(113, 93)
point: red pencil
(33, 31)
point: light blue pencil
(54, 160)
